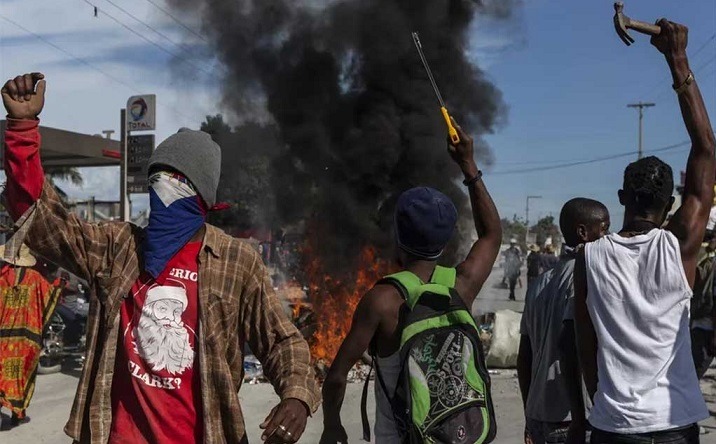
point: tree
(514, 229)
(73, 175)
(545, 228)
(70, 174)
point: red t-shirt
(156, 393)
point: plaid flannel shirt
(237, 304)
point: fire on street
(54, 394)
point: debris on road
(253, 370)
(358, 373)
(502, 337)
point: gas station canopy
(62, 148)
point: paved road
(54, 394)
(53, 398)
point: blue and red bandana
(177, 213)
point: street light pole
(641, 106)
(527, 215)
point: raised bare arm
(689, 222)
(473, 272)
(52, 232)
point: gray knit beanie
(195, 155)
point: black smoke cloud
(356, 115)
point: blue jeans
(683, 435)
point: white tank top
(639, 300)
(386, 432)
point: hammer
(622, 23)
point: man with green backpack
(431, 382)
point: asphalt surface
(54, 394)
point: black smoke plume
(356, 115)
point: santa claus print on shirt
(159, 336)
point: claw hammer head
(620, 23)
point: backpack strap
(403, 282)
(444, 276)
(364, 404)
(407, 283)
(411, 287)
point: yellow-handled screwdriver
(454, 138)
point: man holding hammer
(633, 288)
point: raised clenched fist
(24, 96)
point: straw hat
(23, 259)
(534, 248)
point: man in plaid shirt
(172, 305)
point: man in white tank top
(424, 223)
(633, 288)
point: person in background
(548, 384)
(172, 305)
(702, 307)
(533, 265)
(703, 304)
(424, 223)
(548, 260)
(27, 301)
(633, 288)
(512, 264)
(73, 310)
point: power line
(702, 47)
(143, 37)
(707, 63)
(170, 15)
(67, 53)
(692, 57)
(695, 71)
(584, 162)
(710, 73)
(156, 31)
(92, 66)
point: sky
(564, 74)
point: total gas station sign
(141, 113)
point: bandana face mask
(177, 213)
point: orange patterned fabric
(26, 302)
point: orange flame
(335, 299)
(294, 294)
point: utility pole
(641, 106)
(124, 211)
(527, 215)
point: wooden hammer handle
(643, 27)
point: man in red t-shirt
(171, 306)
(156, 364)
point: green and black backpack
(443, 392)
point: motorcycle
(55, 352)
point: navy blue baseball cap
(425, 220)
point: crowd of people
(614, 315)
(605, 344)
(538, 261)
